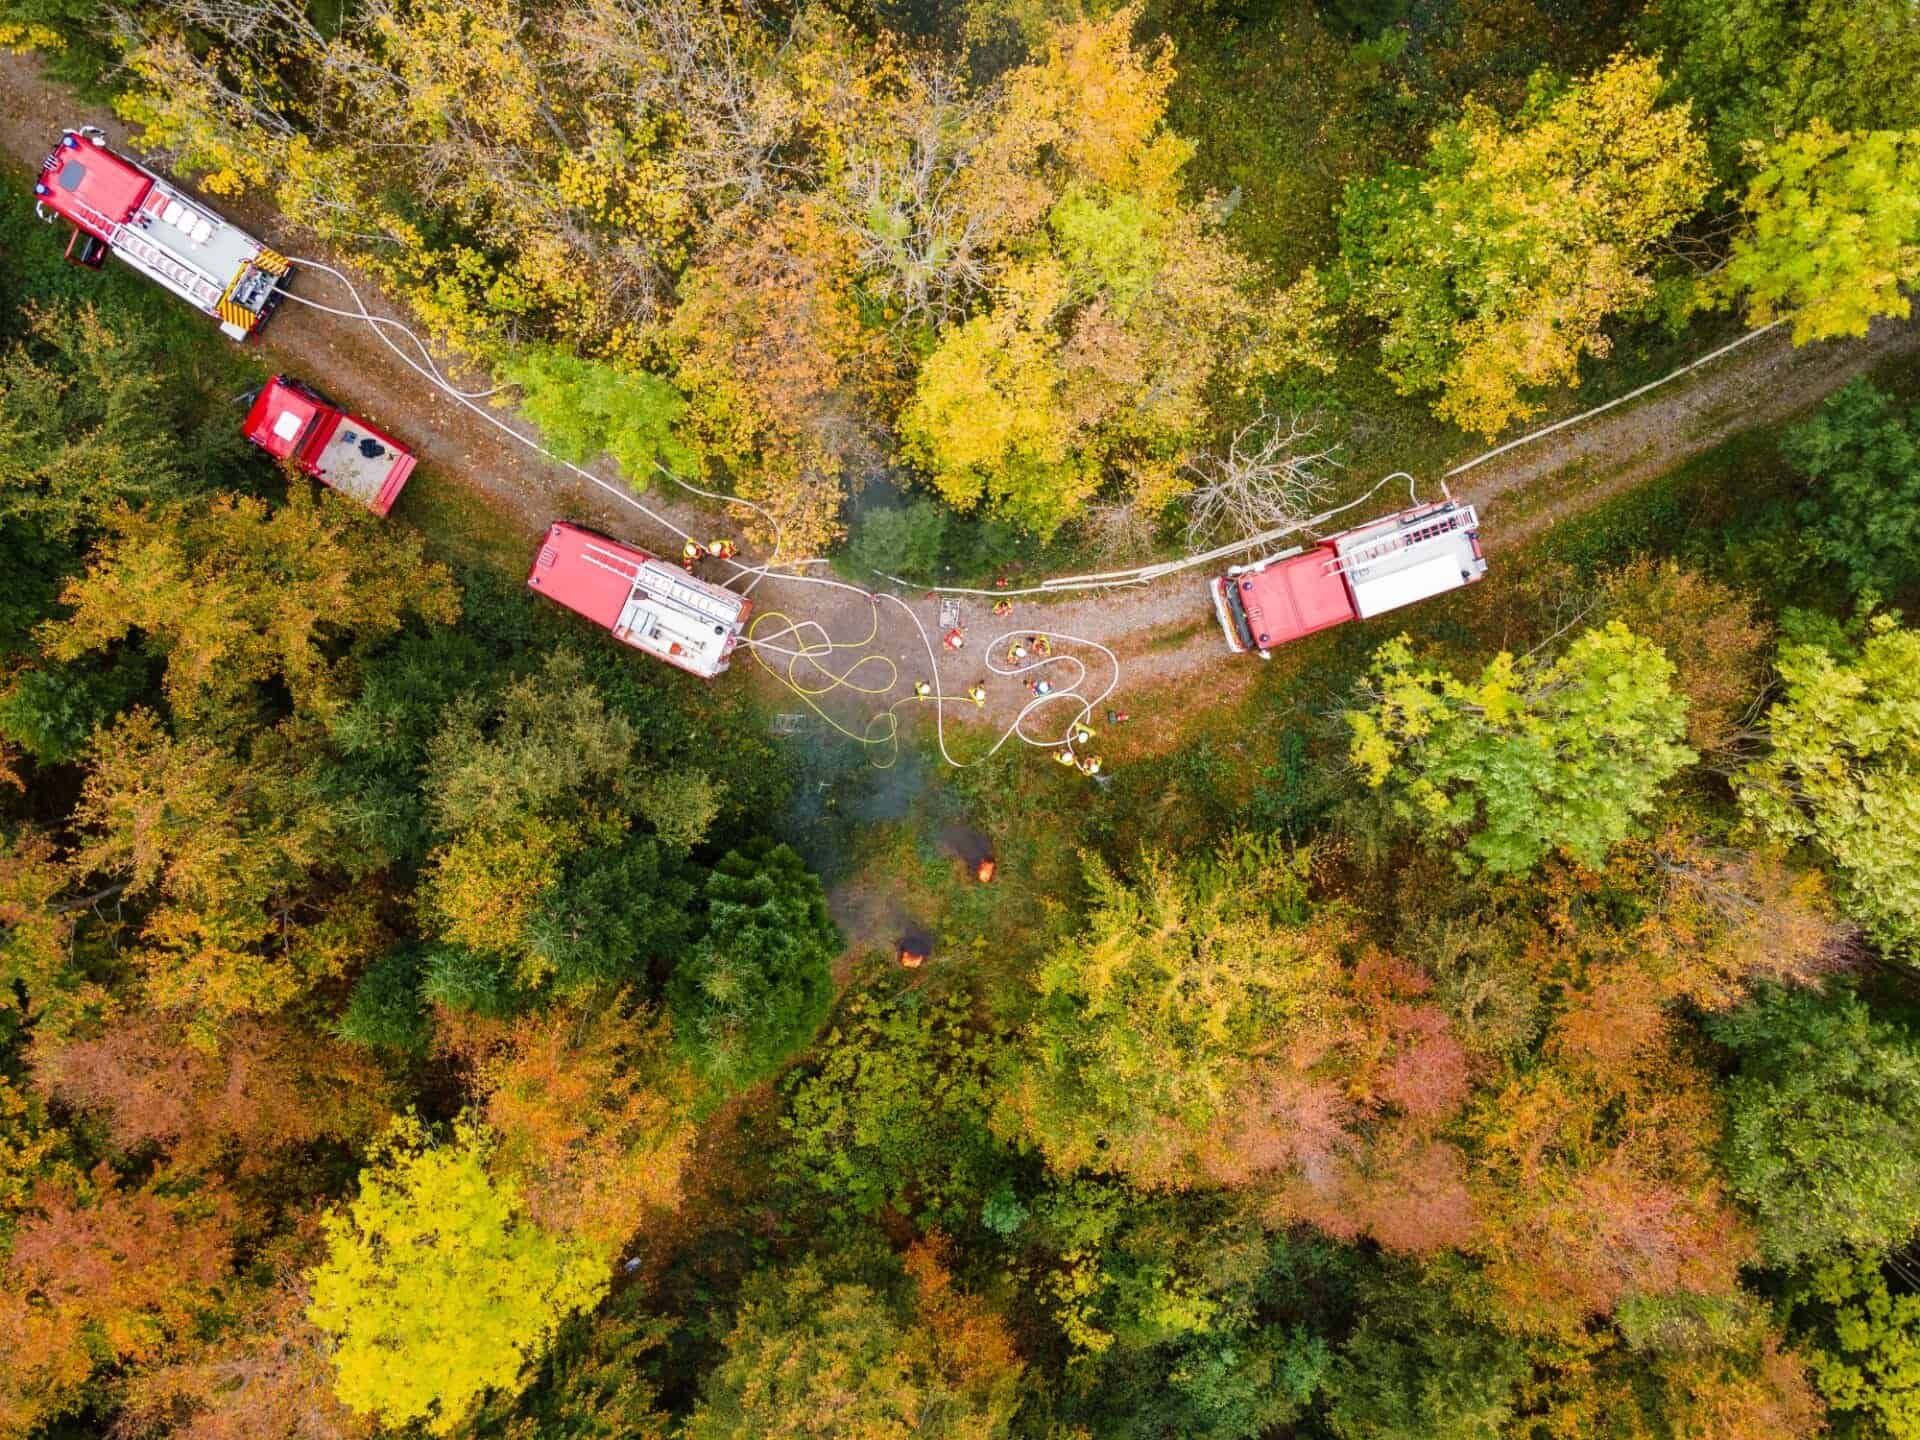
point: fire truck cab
(290, 421)
(1359, 573)
(646, 602)
(119, 207)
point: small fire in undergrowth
(974, 849)
(914, 948)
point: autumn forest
(421, 1015)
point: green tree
(52, 711)
(1863, 456)
(1145, 1023)
(894, 1112)
(904, 541)
(1833, 231)
(384, 1011)
(1416, 1369)
(1759, 68)
(1533, 754)
(588, 407)
(1865, 1346)
(811, 1356)
(1823, 1128)
(757, 987)
(435, 1287)
(540, 873)
(87, 422)
(1494, 267)
(1842, 771)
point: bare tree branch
(1272, 473)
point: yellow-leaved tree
(1108, 303)
(1833, 234)
(1495, 266)
(436, 1286)
(236, 593)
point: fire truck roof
(646, 602)
(1412, 556)
(280, 416)
(85, 182)
(1293, 597)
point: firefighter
(1042, 687)
(720, 549)
(1016, 652)
(1042, 645)
(691, 553)
(1064, 756)
(1081, 735)
(1089, 765)
(922, 689)
(1003, 607)
(954, 639)
(977, 693)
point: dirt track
(1164, 632)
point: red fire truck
(122, 208)
(650, 604)
(289, 420)
(1359, 573)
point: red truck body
(119, 207)
(646, 602)
(1366, 571)
(292, 422)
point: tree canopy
(1844, 751)
(1833, 231)
(1144, 1023)
(756, 988)
(436, 1287)
(1494, 267)
(1863, 457)
(1531, 756)
(930, 1362)
(1823, 1111)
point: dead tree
(1275, 471)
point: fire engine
(1359, 573)
(119, 207)
(650, 604)
(290, 420)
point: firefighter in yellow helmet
(691, 554)
(1089, 765)
(720, 549)
(1064, 756)
(922, 689)
(977, 693)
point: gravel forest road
(1163, 632)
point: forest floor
(1163, 632)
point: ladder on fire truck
(1361, 556)
(124, 237)
(689, 595)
